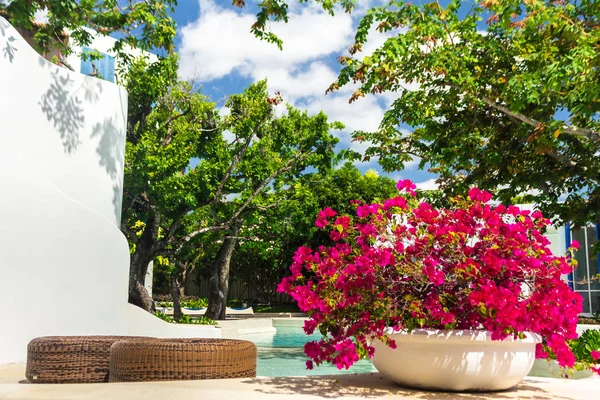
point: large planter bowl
(455, 360)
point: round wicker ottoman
(181, 359)
(70, 359)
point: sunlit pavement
(366, 386)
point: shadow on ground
(374, 386)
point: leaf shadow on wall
(64, 109)
(110, 151)
(63, 106)
(8, 49)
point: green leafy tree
(271, 235)
(143, 24)
(269, 153)
(503, 94)
(171, 205)
(513, 109)
(168, 125)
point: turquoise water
(282, 354)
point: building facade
(582, 279)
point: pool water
(282, 354)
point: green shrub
(184, 301)
(186, 319)
(199, 302)
(583, 346)
(164, 317)
(202, 320)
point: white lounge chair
(201, 311)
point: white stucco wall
(63, 260)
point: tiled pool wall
(280, 344)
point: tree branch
(167, 126)
(275, 204)
(191, 235)
(566, 161)
(236, 159)
(286, 167)
(129, 233)
(125, 210)
(248, 238)
(571, 130)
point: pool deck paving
(366, 386)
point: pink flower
(395, 202)
(480, 195)
(407, 185)
(367, 209)
(575, 244)
(321, 221)
(595, 354)
(434, 275)
(463, 266)
(539, 351)
(343, 222)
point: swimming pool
(281, 354)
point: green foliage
(190, 173)
(201, 320)
(185, 301)
(513, 109)
(144, 24)
(582, 347)
(197, 303)
(164, 317)
(186, 319)
(274, 233)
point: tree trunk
(175, 295)
(218, 287)
(184, 278)
(138, 295)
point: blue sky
(218, 51)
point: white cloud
(429, 184)
(294, 83)
(219, 42)
(364, 114)
(412, 164)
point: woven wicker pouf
(181, 359)
(70, 359)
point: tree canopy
(190, 171)
(143, 24)
(272, 234)
(504, 95)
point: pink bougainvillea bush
(406, 265)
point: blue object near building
(588, 266)
(105, 66)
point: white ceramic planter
(458, 360)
